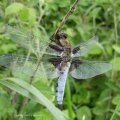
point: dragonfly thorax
(66, 59)
(66, 55)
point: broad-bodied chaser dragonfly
(66, 59)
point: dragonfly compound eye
(61, 35)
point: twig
(34, 73)
(71, 10)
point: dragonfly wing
(8, 60)
(28, 66)
(50, 70)
(27, 39)
(18, 63)
(18, 35)
(84, 48)
(88, 69)
(51, 67)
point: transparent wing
(28, 66)
(8, 60)
(30, 40)
(87, 69)
(50, 70)
(84, 48)
(20, 36)
(18, 64)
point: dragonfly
(64, 60)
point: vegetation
(97, 98)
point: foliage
(94, 99)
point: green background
(95, 99)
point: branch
(71, 10)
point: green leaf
(95, 12)
(24, 14)
(109, 49)
(33, 2)
(28, 15)
(84, 113)
(18, 89)
(43, 115)
(45, 89)
(116, 48)
(102, 1)
(116, 63)
(101, 105)
(104, 96)
(116, 100)
(83, 92)
(99, 117)
(82, 97)
(95, 50)
(62, 3)
(29, 109)
(55, 112)
(6, 108)
(32, 16)
(99, 110)
(112, 86)
(13, 8)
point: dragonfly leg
(52, 38)
(56, 47)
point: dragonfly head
(61, 36)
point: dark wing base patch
(55, 61)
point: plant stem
(71, 10)
(69, 104)
(115, 111)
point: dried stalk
(69, 13)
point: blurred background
(97, 98)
